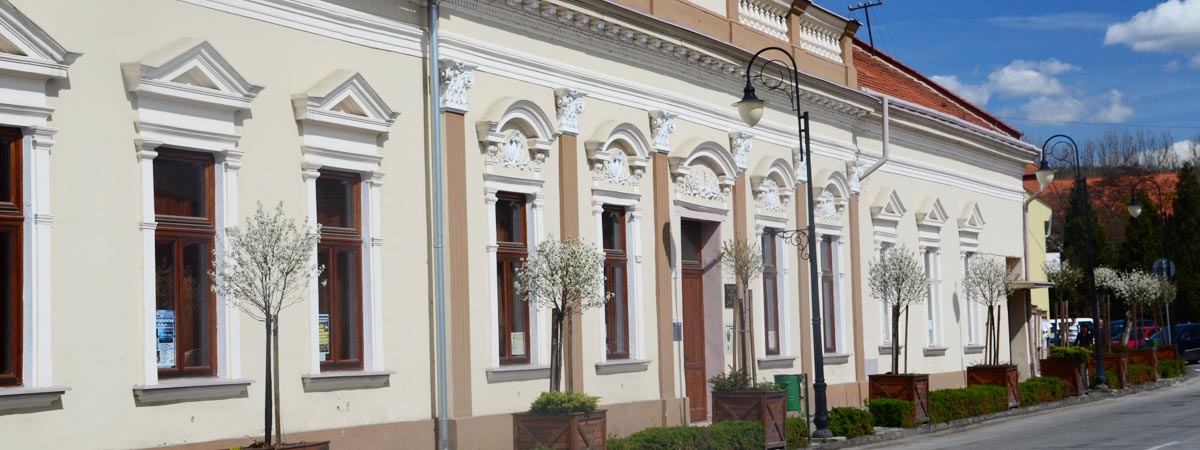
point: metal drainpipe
(887, 127)
(439, 273)
(1025, 228)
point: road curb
(1091, 397)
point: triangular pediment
(973, 220)
(892, 208)
(23, 42)
(191, 69)
(345, 99)
(934, 216)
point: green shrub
(952, 404)
(1111, 379)
(797, 432)
(732, 435)
(1118, 349)
(891, 412)
(1140, 374)
(739, 381)
(1041, 390)
(850, 422)
(1171, 368)
(1078, 354)
(564, 402)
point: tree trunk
(996, 340)
(906, 322)
(1128, 322)
(556, 362)
(569, 351)
(896, 339)
(267, 403)
(750, 354)
(278, 408)
(738, 329)
(987, 335)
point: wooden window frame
(12, 218)
(616, 258)
(334, 240)
(508, 257)
(829, 278)
(181, 230)
(770, 291)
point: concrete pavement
(1164, 419)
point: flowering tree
(744, 259)
(987, 283)
(898, 280)
(1066, 279)
(1108, 281)
(1137, 288)
(566, 278)
(267, 266)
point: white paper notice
(518, 343)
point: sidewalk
(888, 434)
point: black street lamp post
(1062, 148)
(751, 109)
(1135, 210)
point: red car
(1138, 338)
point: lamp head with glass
(1045, 175)
(751, 107)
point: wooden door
(693, 322)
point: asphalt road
(1165, 419)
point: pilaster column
(662, 124)
(456, 79)
(374, 236)
(569, 104)
(310, 172)
(803, 288)
(38, 190)
(146, 152)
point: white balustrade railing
(821, 40)
(764, 16)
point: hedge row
(1110, 377)
(1140, 374)
(891, 412)
(1172, 368)
(850, 422)
(1041, 390)
(952, 404)
(730, 435)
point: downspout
(1034, 368)
(439, 274)
(885, 101)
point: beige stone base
(947, 380)
(415, 435)
(494, 432)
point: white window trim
(932, 257)
(23, 105)
(838, 284)
(333, 139)
(633, 248)
(539, 320)
(886, 220)
(191, 118)
(783, 312)
(969, 229)
(972, 313)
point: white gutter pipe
(885, 101)
(439, 273)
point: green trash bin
(791, 386)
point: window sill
(506, 374)
(614, 366)
(887, 349)
(346, 380)
(973, 349)
(190, 390)
(776, 362)
(935, 351)
(837, 358)
(24, 399)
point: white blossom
(1138, 287)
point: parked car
(1187, 340)
(1118, 327)
(1142, 337)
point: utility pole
(866, 7)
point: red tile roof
(1109, 194)
(882, 73)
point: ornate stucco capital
(739, 144)
(662, 124)
(569, 103)
(456, 79)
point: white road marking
(1163, 446)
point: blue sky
(1042, 64)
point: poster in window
(164, 321)
(771, 339)
(323, 336)
(517, 340)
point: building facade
(603, 120)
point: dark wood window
(690, 244)
(513, 246)
(11, 258)
(185, 306)
(339, 291)
(828, 293)
(616, 281)
(771, 291)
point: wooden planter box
(768, 407)
(1000, 375)
(911, 387)
(323, 445)
(573, 431)
(1117, 363)
(1145, 356)
(1167, 352)
(1066, 370)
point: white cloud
(1029, 78)
(1171, 27)
(975, 93)
(1116, 111)
(1061, 21)
(1186, 149)
(1054, 108)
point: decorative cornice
(662, 124)
(569, 103)
(345, 100)
(38, 55)
(456, 77)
